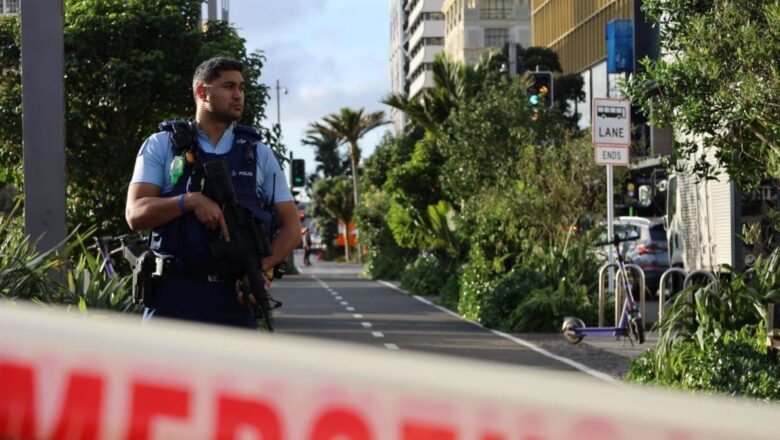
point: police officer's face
(225, 95)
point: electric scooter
(630, 325)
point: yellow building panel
(575, 29)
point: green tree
(128, 66)
(335, 195)
(385, 258)
(326, 151)
(453, 82)
(349, 126)
(718, 84)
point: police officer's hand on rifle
(209, 214)
(242, 286)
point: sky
(329, 54)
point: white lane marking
(366, 324)
(351, 309)
(338, 298)
(570, 362)
(335, 294)
(344, 303)
(357, 316)
(378, 334)
(391, 346)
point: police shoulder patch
(247, 132)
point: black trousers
(197, 299)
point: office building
(416, 37)
(421, 29)
(398, 61)
(584, 35)
(576, 31)
(473, 27)
(9, 7)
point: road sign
(611, 122)
(611, 155)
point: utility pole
(43, 122)
(278, 102)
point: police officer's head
(218, 86)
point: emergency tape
(67, 376)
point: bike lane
(322, 303)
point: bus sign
(611, 122)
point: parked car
(650, 252)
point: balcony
(426, 29)
(495, 13)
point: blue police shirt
(153, 164)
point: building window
(495, 9)
(426, 16)
(9, 6)
(496, 37)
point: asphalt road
(329, 301)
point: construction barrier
(64, 375)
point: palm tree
(333, 195)
(348, 126)
(331, 162)
(452, 82)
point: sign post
(611, 138)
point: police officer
(163, 196)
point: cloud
(328, 54)
(263, 16)
(294, 64)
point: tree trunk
(354, 161)
(346, 240)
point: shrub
(386, 263)
(735, 363)
(477, 283)
(68, 275)
(425, 276)
(450, 293)
(713, 339)
(384, 258)
(546, 285)
(508, 293)
(544, 308)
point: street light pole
(278, 111)
(290, 261)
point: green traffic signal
(298, 173)
(540, 89)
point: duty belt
(170, 265)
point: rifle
(249, 241)
(144, 266)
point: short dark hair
(210, 69)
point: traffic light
(298, 173)
(540, 92)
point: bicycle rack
(689, 279)
(619, 292)
(602, 298)
(619, 297)
(662, 283)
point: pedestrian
(163, 196)
(306, 246)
